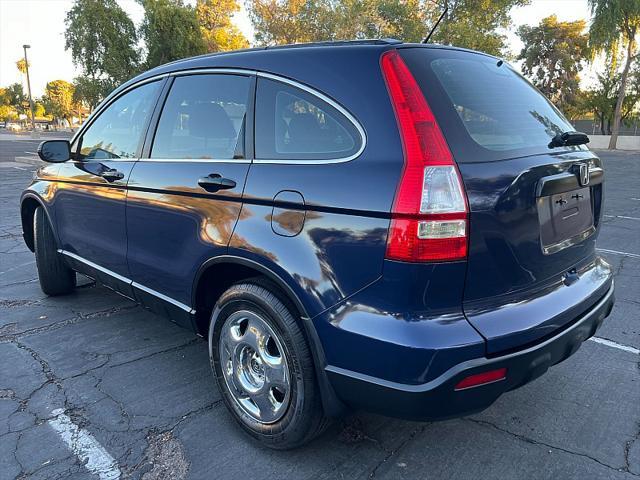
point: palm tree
(616, 23)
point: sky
(40, 23)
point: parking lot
(92, 386)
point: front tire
(264, 368)
(56, 278)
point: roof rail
(337, 43)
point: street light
(26, 64)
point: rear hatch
(534, 210)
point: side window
(292, 124)
(118, 131)
(203, 118)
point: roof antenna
(444, 12)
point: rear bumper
(437, 399)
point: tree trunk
(602, 124)
(617, 116)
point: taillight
(429, 216)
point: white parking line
(616, 252)
(85, 447)
(622, 216)
(609, 343)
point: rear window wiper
(568, 139)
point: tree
(219, 33)
(7, 110)
(379, 19)
(553, 55)
(288, 21)
(602, 99)
(39, 110)
(58, 99)
(89, 91)
(22, 65)
(616, 23)
(474, 24)
(468, 23)
(170, 30)
(102, 39)
(15, 95)
(295, 21)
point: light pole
(26, 64)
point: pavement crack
(159, 352)
(537, 442)
(627, 450)
(391, 453)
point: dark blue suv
(400, 228)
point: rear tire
(56, 278)
(246, 315)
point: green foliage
(90, 91)
(218, 32)
(58, 99)
(170, 30)
(474, 24)
(39, 110)
(616, 23)
(102, 39)
(293, 21)
(8, 114)
(552, 55)
(289, 21)
(15, 96)
(601, 100)
(21, 65)
(7, 110)
(469, 23)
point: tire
(56, 278)
(294, 415)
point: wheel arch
(28, 205)
(207, 288)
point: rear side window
(203, 118)
(486, 110)
(293, 124)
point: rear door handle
(112, 175)
(215, 182)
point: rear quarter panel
(341, 246)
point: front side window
(119, 129)
(292, 124)
(203, 118)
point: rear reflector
(483, 378)
(429, 215)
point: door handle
(215, 182)
(112, 175)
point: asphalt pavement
(93, 386)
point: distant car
(406, 229)
(14, 127)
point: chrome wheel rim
(254, 366)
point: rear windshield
(498, 109)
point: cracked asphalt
(142, 388)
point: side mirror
(54, 151)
